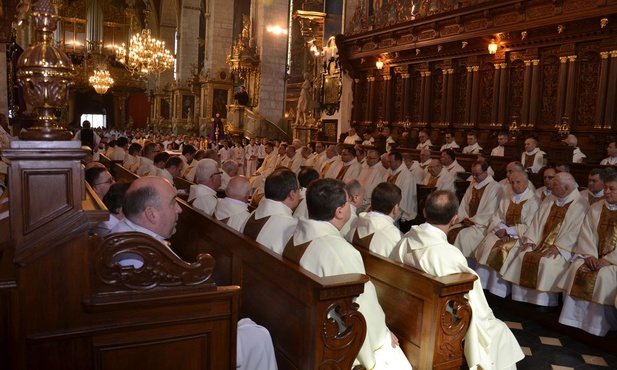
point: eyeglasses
(477, 174)
(109, 182)
(216, 173)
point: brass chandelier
(145, 54)
(101, 81)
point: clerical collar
(599, 194)
(399, 169)
(234, 201)
(533, 151)
(479, 185)
(611, 207)
(562, 201)
(518, 197)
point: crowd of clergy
(553, 246)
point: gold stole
(474, 203)
(392, 178)
(186, 172)
(592, 199)
(432, 181)
(315, 160)
(342, 172)
(256, 199)
(542, 196)
(253, 227)
(325, 169)
(529, 159)
(295, 252)
(362, 242)
(500, 250)
(585, 279)
(531, 260)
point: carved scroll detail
(161, 267)
(343, 335)
(454, 323)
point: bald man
(233, 209)
(150, 208)
(532, 158)
(203, 195)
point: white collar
(517, 197)
(533, 151)
(428, 227)
(379, 214)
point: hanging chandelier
(101, 81)
(145, 54)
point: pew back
(290, 302)
(429, 315)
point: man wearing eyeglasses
(100, 180)
(478, 205)
(203, 195)
(439, 177)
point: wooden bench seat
(415, 303)
(430, 315)
(292, 303)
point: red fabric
(139, 108)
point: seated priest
(150, 208)
(532, 158)
(595, 185)
(547, 245)
(591, 281)
(545, 191)
(398, 175)
(515, 213)
(318, 247)
(233, 209)
(375, 230)
(203, 194)
(305, 177)
(488, 344)
(437, 176)
(272, 223)
(478, 205)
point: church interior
(409, 77)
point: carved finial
(464, 44)
(418, 51)
(523, 35)
(603, 22)
(439, 48)
(561, 28)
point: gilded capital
(370, 79)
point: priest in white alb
(547, 246)
(478, 205)
(375, 230)
(500, 245)
(318, 247)
(591, 281)
(233, 209)
(488, 344)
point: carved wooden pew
(65, 303)
(429, 315)
(123, 174)
(292, 303)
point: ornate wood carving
(548, 93)
(587, 88)
(161, 267)
(380, 95)
(416, 97)
(436, 97)
(398, 97)
(487, 80)
(516, 89)
(456, 312)
(460, 94)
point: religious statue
(304, 100)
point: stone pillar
(273, 56)
(219, 34)
(188, 33)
